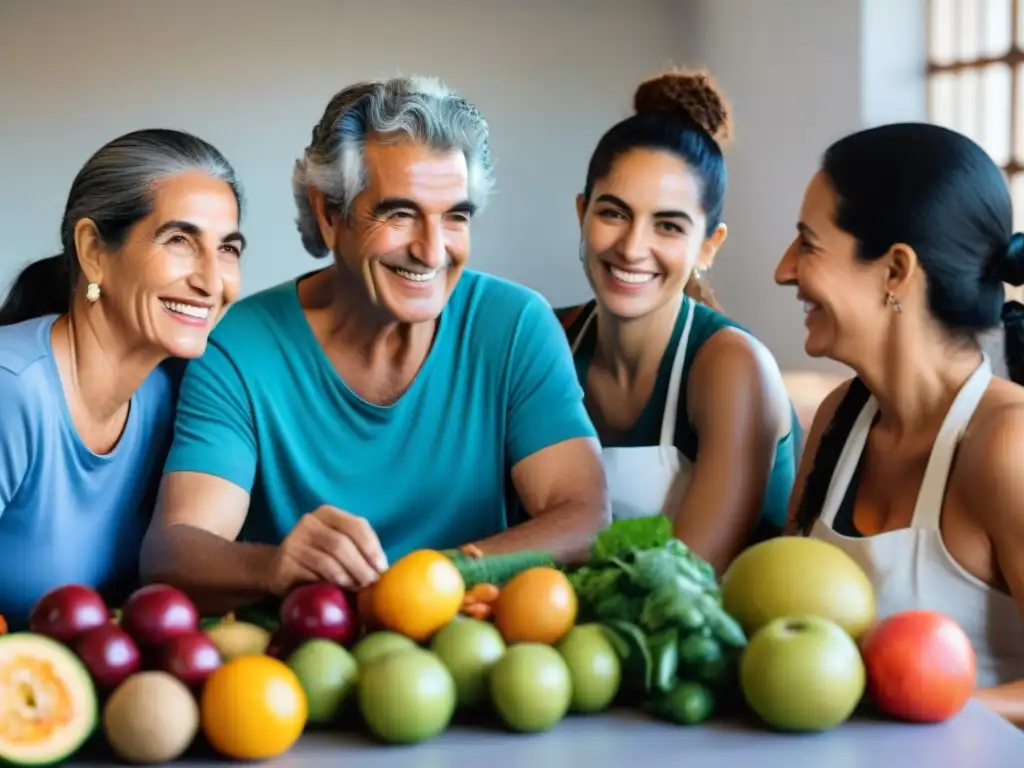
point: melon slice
(48, 705)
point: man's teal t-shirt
(265, 409)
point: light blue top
(68, 515)
(265, 409)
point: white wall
(801, 74)
(253, 77)
(551, 75)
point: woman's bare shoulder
(991, 450)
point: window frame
(1013, 169)
(1013, 58)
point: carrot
(481, 611)
(498, 569)
(484, 593)
(3, 625)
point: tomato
(418, 594)
(921, 666)
(253, 708)
(538, 605)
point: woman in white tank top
(914, 467)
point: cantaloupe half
(48, 704)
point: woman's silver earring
(700, 272)
(92, 292)
(892, 301)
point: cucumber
(498, 569)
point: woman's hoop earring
(92, 292)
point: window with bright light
(976, 79)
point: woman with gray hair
(149, 263)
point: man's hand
(328, 545)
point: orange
(253, 708)
(538, 605)
(418, 595)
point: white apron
(650, 480)
(911, 568)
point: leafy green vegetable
(637, 666)
(724, 626)
(635, 533)
(664, 652)
(672, 603)
(661, 606)
(619, 606)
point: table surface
(975, 737)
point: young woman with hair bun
(913, 467)
(691, 409)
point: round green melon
(48, 704)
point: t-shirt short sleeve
(16, 431)
(545, 399)
(214, 431)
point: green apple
(469, 648)
(328, 674)
(531, 688)
(802, 673)
(377, 644)
(594, 667)
(407, 696)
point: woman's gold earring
(892, 301)
(92, 292)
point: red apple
(110, 655)
(320, 610)
(157, 613)
(281, 644)
(67, 612)
(190, 658)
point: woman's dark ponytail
(43, 288)
(1011, 270)
(830, 447)
(113, 190)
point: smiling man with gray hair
(392, 401)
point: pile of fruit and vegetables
(789, 634)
